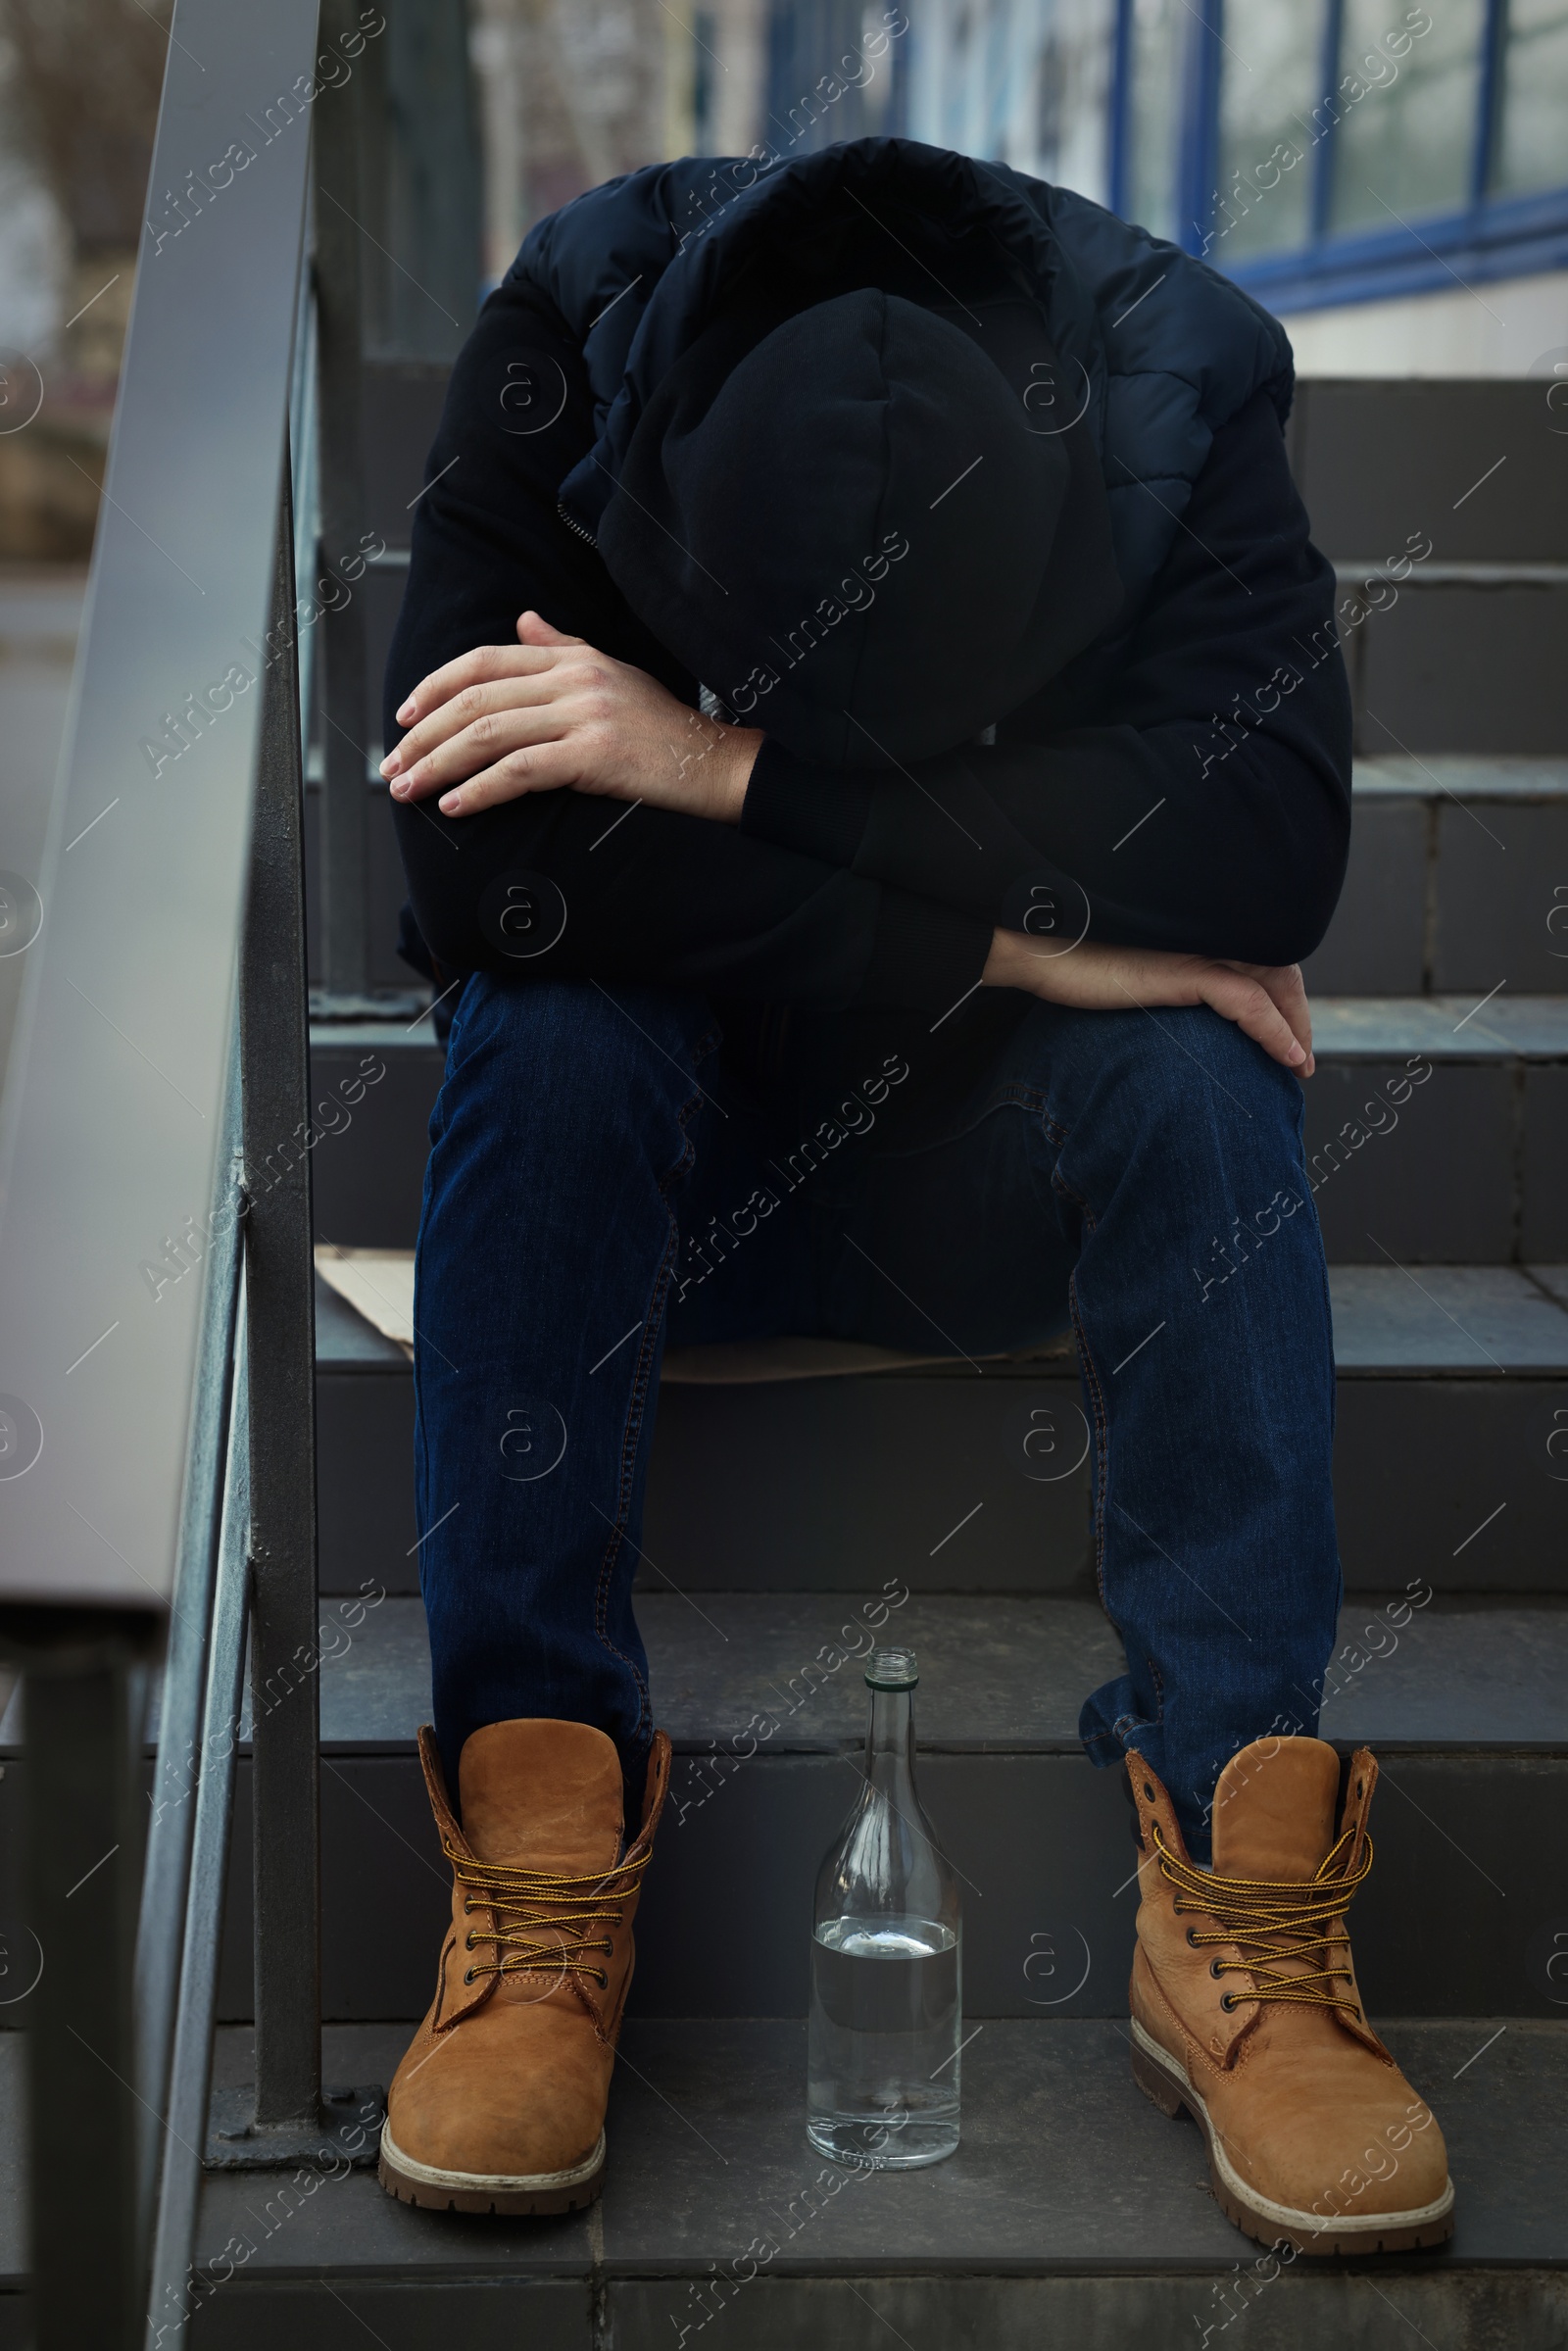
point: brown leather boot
(499, 2105)
(1245, 2012)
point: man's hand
(549, 713)
(1267, 1001)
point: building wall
(1392, 179)
(1507, 326)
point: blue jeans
(602, 1181)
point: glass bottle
(882, 2065)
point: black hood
(864, 528)
(1121, 353)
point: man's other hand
(549, 713)
(1268, 1000)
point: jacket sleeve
(1189, 790)
(635, 893)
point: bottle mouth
(892, 1669)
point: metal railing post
(284, 2117)
(182, 1756)
(83, 1829)
(280, 1319)
(173, 2290)
(340, 636)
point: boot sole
(511, 2194)
(1165, 2082)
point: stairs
(780, 1509)
(1436, 1131)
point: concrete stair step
(1452, 1400)
(1376, 459)
(1465, 1706)
(1453, 880)
(1465, 1709)
(1464, 658)
(1437, 1127)
(1073, 2212)
(1466, 1166)
(999, 1674)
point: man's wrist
(734, 758)
(1002, 964)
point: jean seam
(1014, 1096)
(636, 1406)
(1056, 1135)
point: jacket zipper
(573, 525)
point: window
(1405, 117)
(1532, 133)
(1271, 72)
(1072, 93)
(1319, 150)
(1154, 78)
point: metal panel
(112, 1113)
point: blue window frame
(1328, 151)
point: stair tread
(1387, 1320)
(1448, 1028)
(1449, 1318)
(709, 2154)
(1537, 1025)
(346, 1342)
(999, 1675)
(1468, 775)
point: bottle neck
(890, 1743)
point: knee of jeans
(1182, 1060)
(553, 1039)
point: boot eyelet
(467, 1976)
(1227, 2001)
(1217, 1967)
(1149, 1791)
(469, 1943)
(1191, 1938)
(603, 1980)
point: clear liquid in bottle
(886, 2017)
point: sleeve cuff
(819, 812)
(924, 957)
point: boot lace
(533, 1903)
(1273, 1920)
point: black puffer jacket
(1183, 782)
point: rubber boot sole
(510, 2195)
(1165, 2082)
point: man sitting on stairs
(871, 740)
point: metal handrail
(178, 1779)
(119, 1119)
(184, 2115)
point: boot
(1246, 2013)
(499, 2105)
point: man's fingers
(475, 669)
(1249, 1005)
(536, 767)
(534, 629)
(467, 707)
(482, 745)
(1288, 990)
